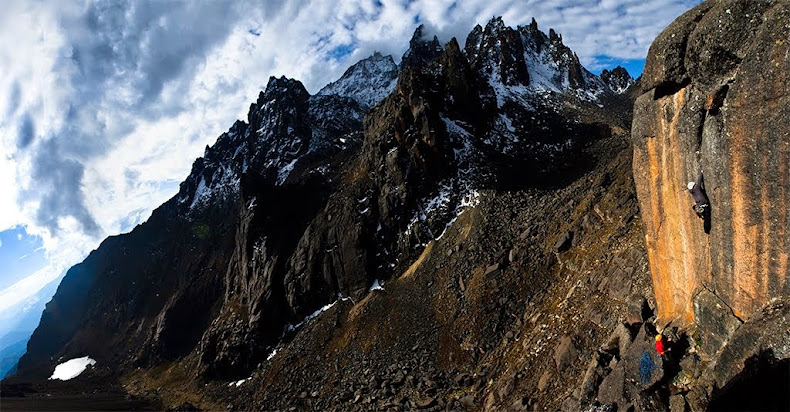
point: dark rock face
(764, 337)
(716, 101)
(118, 307)
(161, 283)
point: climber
(697, 189)
(660, 345)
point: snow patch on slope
(285, 171)
(315, 314)
(224, 182)
(201, 192)
(239, 382)
(71, 368)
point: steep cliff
(716, 101)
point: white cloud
(104, 106)
(20, 292)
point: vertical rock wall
(715, 99)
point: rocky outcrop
(764, 336)
(715, 321)
(716, 99)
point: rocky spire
(498, 51)
(422, 48)
(618, 80)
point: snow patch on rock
(377, 285)
(239, 382)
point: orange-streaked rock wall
(716, 98)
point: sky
(104, 105)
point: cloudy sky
(105, 104)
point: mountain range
(462, 230)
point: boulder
(492, 268)
(425, 403)
(619, 284)
(564, 242)
(612, 389)
(715, 321)
(764, 336)
(565, 353)
(592, 379)
(677, 403)
(691, 365)
(637, 309)
(641, 363)
(697, 399)
(545, 380)
(468, 401)
(619, 341)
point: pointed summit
(497, 51)
(422, 48)
(281, 85)
(618, 79)
(288, 92)
(368, 81)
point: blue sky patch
(340, 52)
(633, 66)
(20, 255)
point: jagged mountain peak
(422, 35)
(368, 81)
(284, 124)
(278, 89)
(422, 48)
(528, 57)
(496, 24)
(618, 79)
(553, 36)
(283, 86)
(497, 52)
